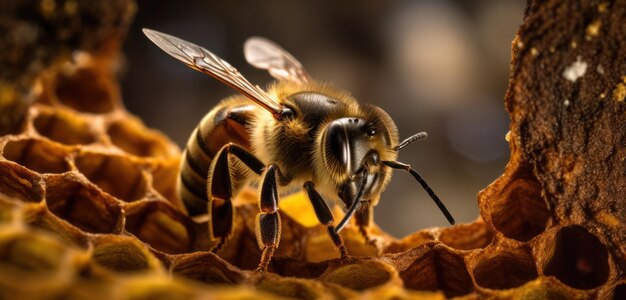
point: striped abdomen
(226, 123)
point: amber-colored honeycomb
(88, 207)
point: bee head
(353, 149)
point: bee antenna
(418, 136)
(406, 167)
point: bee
(297, 133)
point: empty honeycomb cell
(505, 270)
(164, 181)
(83, 205)
(37, 155)
(520, 211)
(205, 267)
(41, 219)
(30, 252)
(114, 174)
(123, 254)
(63, 127)
(467, 236)
(85, 90)
(578, 259)
(437, 269)
(19, 184)
(359, 276)
(161, 226)
(133, 138)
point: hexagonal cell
(20, 184)
(161, 226)
(64, 128)
(135, 139)
(83, 205)
(164, 178)
(37, 155)
(114, 174)
(85, 90)
(205, 267)
(41, 219)
(437, 269)
(505, 270)
(578, 259)
(467, 236)
(123, 254)
(22, 251)
(520, 212)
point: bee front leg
(363, 219)
(325, 216)
(220, 190)
(268, 219)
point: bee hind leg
(268, 220)
(220, 190)
(325, 216)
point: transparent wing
(204, 61)
(265, 54)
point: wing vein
(207, 62)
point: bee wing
(204, 61)
(265, 54)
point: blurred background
(436, 66)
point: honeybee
(299, 133)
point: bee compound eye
(336, 144)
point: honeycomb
(88, 207)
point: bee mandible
(297, 133)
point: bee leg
(325, 216)
(220, 190)
(363, 219)
(268, 219)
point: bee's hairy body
(292, 146)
